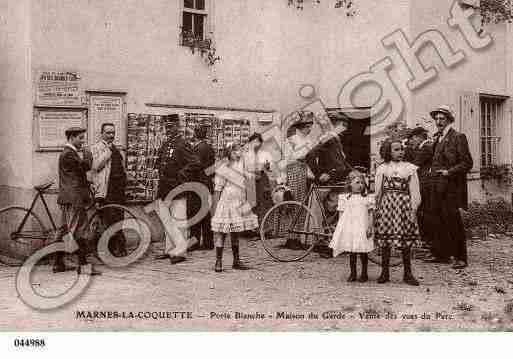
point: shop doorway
(355, 138)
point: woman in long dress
(297, 175)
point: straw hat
(446, 110)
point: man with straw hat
(451, 163)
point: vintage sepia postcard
(256, 165)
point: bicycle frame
(48, 213)
(314, 190)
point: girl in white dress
(353, 233)
(233, 213)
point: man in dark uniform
(420, 153)
(328, 161)
(74, 197)
(451, 163)
(207, 157)
(329, 166)
(177, 166)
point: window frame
(207, 25)
(492, 115)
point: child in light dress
(233, 214)
(353, 233)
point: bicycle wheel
(289, 231)
(395, 256)
(97, 226)
(21, 242)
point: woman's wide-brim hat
(305, 118)
(417, 131)
(446, 110)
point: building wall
(134, 46)
(15, 94)
(268, 50)
(483, 71)
(351, 46)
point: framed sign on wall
(107, 107)
(51, 124)
(58, 88)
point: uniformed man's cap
(305, 118)
(171, 120)
(75, 130)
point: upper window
(491, 116)
(194, 21)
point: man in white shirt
(109, 180)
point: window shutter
(504, 130)
(469, 123)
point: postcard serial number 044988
(29, 343)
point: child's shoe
(408, 277)
(352, 277)
(364, 258)
(385, 266)
(352, 265)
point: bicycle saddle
(43, 187)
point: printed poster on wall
(58, 88)
(53, 123)
(103, 109)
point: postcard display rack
(146, 134)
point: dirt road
(307, 295)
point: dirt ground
(308, 295)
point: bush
(496, 215)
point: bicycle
(23, 231)
(303, 229)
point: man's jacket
(177, 165)
(73, 184)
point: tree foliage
(495, 11)
(344, 5)
(492, 11)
